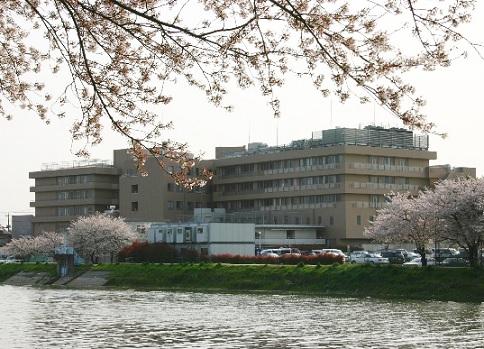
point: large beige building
(336, 180)
(326, 188)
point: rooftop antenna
(374, 113)
(277, 133)
(331, 112)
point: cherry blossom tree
(98, 235)
(458, 204)
(118, 58)
(403, 220)
(40, 245)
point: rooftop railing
(75, 164)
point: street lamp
(259, 236)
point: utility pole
(8, 222)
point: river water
(49, 318)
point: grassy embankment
(395, 282)
(8, 270)
(447, 284)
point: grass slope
(8, 270)
(446, 284)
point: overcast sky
(454, 102)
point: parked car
(442, 253)
(364, 257)
(269, 253)
(330, 251)
(455, 262)
(281, 251)
(417, 262)
(353, 255)
(411, 256)
(395, 257)
(10, 260)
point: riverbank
(395, 282)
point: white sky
(455, 102)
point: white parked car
(417, 262)
(269, 253)
(281, 251)
(363, 257)
(10, 260)
(330, 251)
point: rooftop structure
(372, 136)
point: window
(170, 186)
(358, 220)
(188, 234)
(134, 188)
(290, 234)
(331, 220)
(171, 205)
(308, 220)
(134, 206)
(319, 234)
(179, 205)
(320, 220)
(371, 219)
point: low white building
(206, 238)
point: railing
(363, 204)
(289, 242)
(297, 169)
(302, 169)
(387, 186)
(378, 167)
(284, 189)
(75, 164)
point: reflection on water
(46, 318)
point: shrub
(325, 259)
(144, 252)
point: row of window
(388, 180)
(279, 164)
(278, 183)
(172, 205)
(247, 169)
(173, 187)
(285, 201)
(75, 211)
(183, 205)
(75, 195)
(387, 161)
(80, 179)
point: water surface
(49, 318)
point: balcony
(363, 204)
(74, 202)
(275, 242)
(78, 186)
(284, 189)
(385, 186)
(392, 168)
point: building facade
(156, 197)
(64, 192)
(336, 180)
(323, 190)
(22, 225)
